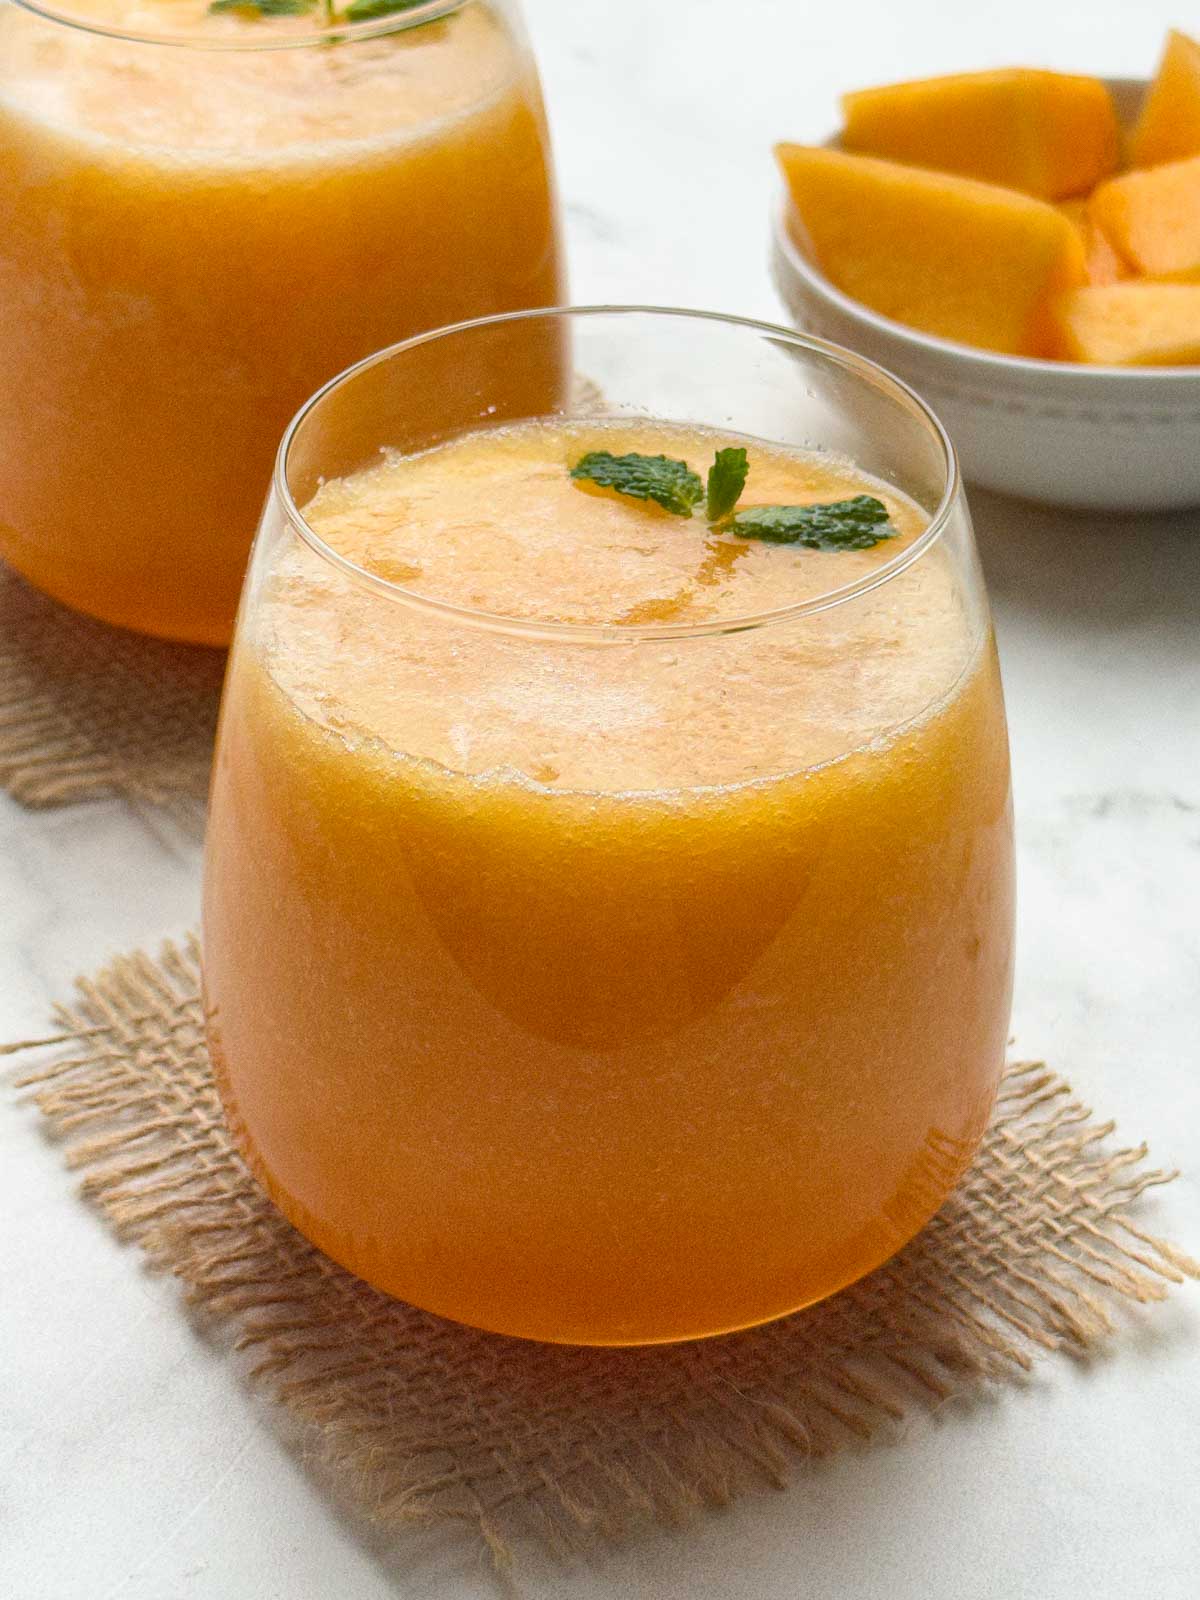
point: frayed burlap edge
(420, 1421)
(89, 712)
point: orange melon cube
(1103, 262)
(964, 260)
(1169, 126)
(1049, 134)
(1153, 218)
(1132, 324)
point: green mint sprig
(670, 484)
(264, 8)
(368, 10)
(855, 524)
(726, 480)
(356, 11)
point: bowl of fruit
(1023, 248)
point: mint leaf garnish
(839, 525)
(726, 480)
(365, 10)
(670, 484)
(356, 11)
(855, 524)
(264, 8)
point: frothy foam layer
(493, 521)
(248, 106)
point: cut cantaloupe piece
(1103, 262)
(1169, 126)
(1049, 134)
(1132, 324)
(1153, 218)
(964, 260)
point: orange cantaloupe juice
(605, 992)
(192, 241)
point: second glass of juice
(205, 213)
(608, 915)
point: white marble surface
(134, 1464)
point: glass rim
(613, 632)
(326, 34)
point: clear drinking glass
(202, 218)
(674, 996)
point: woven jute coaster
(88, 712)
(420, 1420)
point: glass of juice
(206, 212)
(608, 897)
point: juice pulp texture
(192, 241)
(605, 992)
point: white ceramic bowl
(1090, 438)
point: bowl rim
(1064, 373)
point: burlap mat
(417, 1419)
(88, 712)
